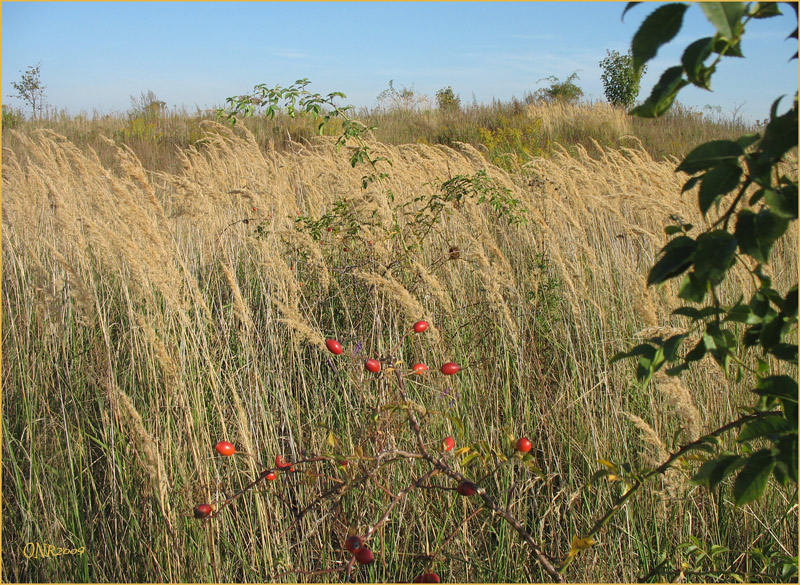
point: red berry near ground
(373, 365)
(202, 510)
(466, 488)
(271, 475)
(419, 368)
(354, 543)
(420, 326)
(523, 445)
(365, 556)
(333, 346)
(448, 443)
(450, 368)
(225, 448)
(427, 578)
(280, 463)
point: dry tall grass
(148, 315)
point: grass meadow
(166, 288)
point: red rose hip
(280, 463)
(202, 510)
(225, 448)
(373, 366)
(333, 346)
(523, 445)
(419, 368)
(354, 543)
(365, 556)
(448, 443)
(420, 326)
(466, 488)
(450, 368)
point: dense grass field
(169, 282)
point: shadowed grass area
(151, 309)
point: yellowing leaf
(462, 451)
(579, 544)
(608, 464)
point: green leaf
(726, 17)
(769, 426)
(752, 479)
(693, 289)
(718, 182)
(783, 387)
(671, 346)
(658, 28)
(790, 303)
(676, 259)
(783, 202)
(742, 314)
(643, 349)
(663, 94)
(671, 230)
(710, 155)
(692, 61)
(714, 255)
(757, 233)
(712, 472)
(628, 7)
(766, 10)
(726, 47)
(786, 455)
(692, 312)
(697, 353)
(780, 135)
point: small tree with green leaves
(447, 100)
(565, 91)
(30, 89)
(620, 80)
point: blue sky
(96, 55)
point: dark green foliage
(620, 79)
(566, 90)
(724, 170)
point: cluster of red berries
(354, 543)
(374, 365)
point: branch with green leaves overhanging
(725, 172)
(704, 443)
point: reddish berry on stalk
(202, 510)
(427, 578)
(333, 346)
(523, 445)
(419, 368)
(365, 556)
(270, 475)
(450, 368)
(225, 448)
(373, 365)
(354, 543)
(280, 463)
(420, 326)
(448, 443)
(466, 488)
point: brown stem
(544, 561)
